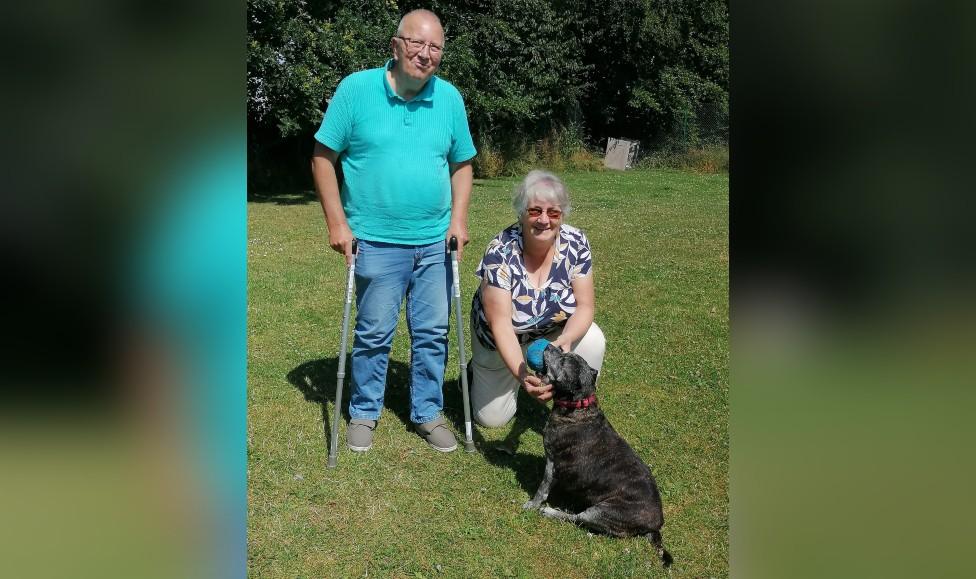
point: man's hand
(340, 239)
(459, 230)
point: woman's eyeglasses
(552, 212)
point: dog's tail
(655, 538)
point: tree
(645, 69)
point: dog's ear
(587, 378)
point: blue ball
(533, 355)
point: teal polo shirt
(395, 155)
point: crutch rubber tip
(533, 355)
(469, 447)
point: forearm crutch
(341, 374)
(462, 358)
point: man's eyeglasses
(552, 212)
(414, 46)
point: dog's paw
(552, 513)
(531, 506)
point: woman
(537, 282)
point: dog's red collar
(584, 403)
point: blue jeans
(385, 273)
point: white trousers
(493, 388)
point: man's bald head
(419, 14)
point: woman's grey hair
(544, 186)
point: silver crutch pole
(341, 374)
(459, 320)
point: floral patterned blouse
(535, 311)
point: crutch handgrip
(453, 243)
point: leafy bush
(542, 80)
(563, 149)
(489, 163)
(707, 159)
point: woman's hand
(534, 385)
(564, 345)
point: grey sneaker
(437, 435)
(359, 434)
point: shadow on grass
(528, 468)
(284, 197)
(316, 380)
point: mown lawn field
(661, 261)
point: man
(405, 148)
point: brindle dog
(589, 465)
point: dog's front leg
(543, 493)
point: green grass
(660, 246)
